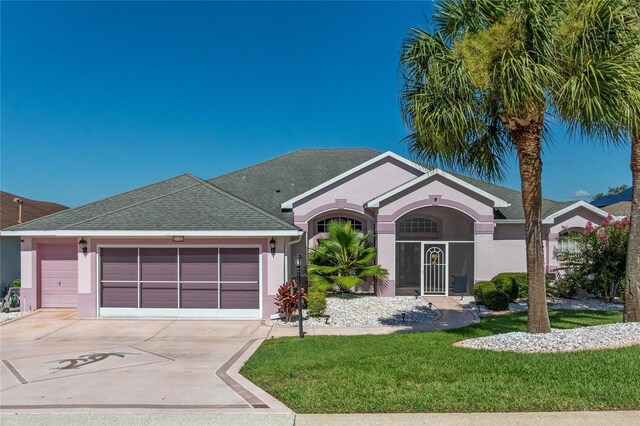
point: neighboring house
(12, 213)
(616, 204)
(187, 247)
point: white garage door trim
(177, 312)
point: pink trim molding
(339, 204)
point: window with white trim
(323, 225)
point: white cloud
(581, 193)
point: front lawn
(420, 372)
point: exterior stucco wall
(356, 190)
(505, 252)
(28, 275)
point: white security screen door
(434, 271)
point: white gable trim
(551, 218)
(289, 203)
(497, 202)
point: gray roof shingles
(244, 200)
(181, 203)
(291, 174)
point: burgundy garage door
(178, 281)
(58, 275)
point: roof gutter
(170, 233)
(286, 257)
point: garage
(215, 282)
(58, 275)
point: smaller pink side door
(58, 275)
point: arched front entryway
(435, 252)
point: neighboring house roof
(620, 209)
(291, 174)
(31, 209)
(183, 203)
(610, 199)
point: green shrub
(16, 282)
(316, 302)
(507, 284)
(564, 287)
(496, 300)
(481, 288)
(521, 280)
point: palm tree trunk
(632, 285)
(527, 139)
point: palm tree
(343, 259)
(483, 83)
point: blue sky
(99, 98)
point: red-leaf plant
(287, 299)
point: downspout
(286, 256)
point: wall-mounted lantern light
(272, 246)
(83, 246)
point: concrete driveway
(55, 362)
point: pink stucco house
(219, 248)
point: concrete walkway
(451, 314)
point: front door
(434, 270)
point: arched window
(323, 225)
(418, 225)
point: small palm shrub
(496, 300)
(343, 259)
(507, 284)
(481, 288)
(287, 300)
(316, 302)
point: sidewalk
(451, 314)
(576, 418)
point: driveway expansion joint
(15, 372)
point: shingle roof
(513, 197)
(308, 168)
(184, 202)
(31, 209)
(270, 183)
(248, 199)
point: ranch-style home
(220, 248)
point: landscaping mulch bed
(354, 310)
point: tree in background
(612, 190)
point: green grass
(421, 372)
